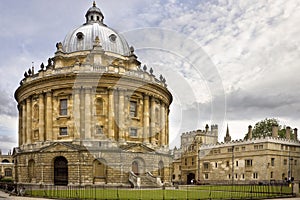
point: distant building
(254, 160)
(6, 166)
(93, 114)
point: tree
(263, 128)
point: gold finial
(94, 3)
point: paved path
(4, 195)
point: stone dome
(83, 37)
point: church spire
(227, 138)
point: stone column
(167, 125)
(121, 115)
(76, 113)
(49, 116)
(146, 119)
(152, 123)
(23, 122)
(111, 114)
(20, 125)
(41, 118)
(29, 121)
(87, 113)
(162, 125)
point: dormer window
(92, 18)
(79, 35)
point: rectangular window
(193, 161)
(295, 162)
(285, 161)
(271, 175)
(261, 146)
(243, 148)
(243, 176)
(229, 176)
(255, 175)
(230, 150)
(237, 163)
(227, 163)
(185, 161)
(216, 165)
(236, 176)
(133, 132)
(206, 176)
(206, 165)
(272, 161)
(63, 107)
(63, 131)
(237, 148)
(255, 147)
(99, 130)
(133, 109)
(248, 163)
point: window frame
(63, 107)
(63, 130)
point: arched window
(99, 106)
(31, 169)
(5, 161)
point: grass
(195, 192)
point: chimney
(249, 132)
(275, 131)
(295, 134)
(288, 133)
(206, 128)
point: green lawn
(196, 192)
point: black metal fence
(217, 191)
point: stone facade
(254, 160)
(92, 114)
(6, 166)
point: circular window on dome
(79, 35)
(112, 38)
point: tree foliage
(263, 128)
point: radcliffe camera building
(93, 114)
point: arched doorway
(190, 178)
(99, 171)
(135, 167)
(161, 170)
(60, 171)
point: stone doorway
(190, 178)
(60, 171)
(135, 167)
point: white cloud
(253, 44)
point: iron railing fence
(209, 191)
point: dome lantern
(94, 15)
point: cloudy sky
(226, 62)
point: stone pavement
(4, 195)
